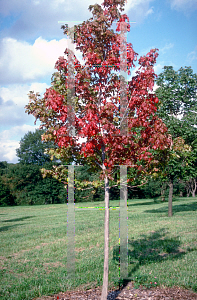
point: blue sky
(31, 41)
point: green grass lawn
(33, 250)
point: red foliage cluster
(98, 96)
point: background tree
(191, 170)
(29, 188)
(177, 94)
(172, 165)
(97, 105)
(32, 149)
(87, 185)
(176, 166)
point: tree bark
(193, 185)
(170, 199)
(106, 243)
(188, 188)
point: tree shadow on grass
(156, 200)
(155, 247)
(5, 228)
(18, 219)
(175, 208)
(142, 203)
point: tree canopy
(177, 93)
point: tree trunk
(106, 245)
(193, 185)
(188, 188)
(170, 199)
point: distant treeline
(23, 184)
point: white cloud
(158, 68)
(9, 141)
(13, 99)
(38, 87)
(149, 12)
(8, 151)
(155, 87)
(17, 131)
(184, 5)
(139, 9)
(166, 48)
(24, 62)
(192, 55)
(18, 93)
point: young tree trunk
(170, 199)
(106, 245)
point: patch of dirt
(54, 265)
(126, 293)
(79, 249)
(3, 257)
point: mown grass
(162, 251)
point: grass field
(162, 251)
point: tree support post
(123, 230)
(70, 226)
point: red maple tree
(98, 116)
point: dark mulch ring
(128, 292)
